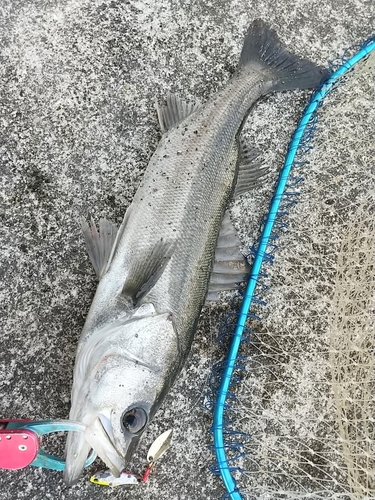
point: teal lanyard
(44, 427)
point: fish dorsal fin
(99, 244)
(250, 169)
(145, 271)
(173, 111)
(230, 266)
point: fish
(175, 249)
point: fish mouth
(97, 436)
(76, 452)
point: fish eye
(134, 420)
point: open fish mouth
(97, 436)
(100, 439)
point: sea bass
(175, 248)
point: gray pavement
(78, 81)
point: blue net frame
(227, 440)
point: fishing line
(298, 147)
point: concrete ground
(78, 82)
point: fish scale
(155, 270)
(205, 178)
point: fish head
(120, 380)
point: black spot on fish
(111, 200)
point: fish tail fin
(263, 51)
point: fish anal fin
(173, 111)
(99, 244)
(141, 278)
(250, 169)
(230, 267)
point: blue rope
(218, 420)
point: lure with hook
(155, 452)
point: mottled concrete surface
(78, 80)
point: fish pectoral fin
(173, 111)
(230, 266)
(147, 269)
(251, 169)
(99, 244)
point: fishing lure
(155, 452)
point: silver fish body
(143, 317)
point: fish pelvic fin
(263, 50)
(230, 267)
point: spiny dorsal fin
(173, 111)
(250, 169)
(99, 244)
(230, 267)
(143, 276)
